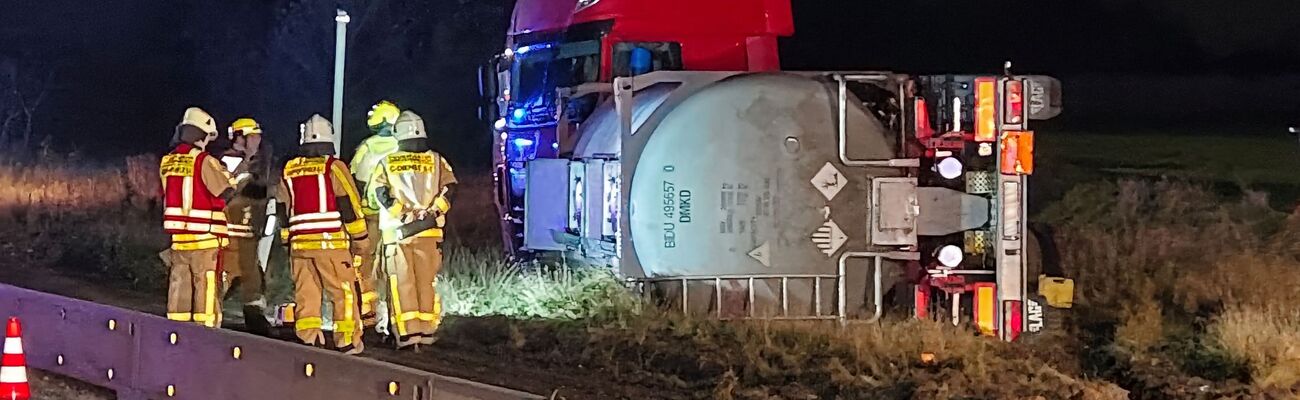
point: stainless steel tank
(740, 175)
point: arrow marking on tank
(762, 254)
(829, 238)
(829, 181)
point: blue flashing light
(525, 49)
(518, 115)
(523, 142)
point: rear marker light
(1013, 320)
(1013, 101)
(922, 120)
(985, 298)
(1018, 153)
(922, 301)
(985, 110)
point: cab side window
(636, 58)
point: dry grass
(1155, 263)
(1133, 241)
(1268, 339)
(1187, 278)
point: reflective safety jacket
(365, 160)
(415, 183)
(323, 205)
(193, 210)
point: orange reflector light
(921, 301)
(985, 110)
(921, 121)
(985, 298)
(1018, 153)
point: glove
(242, 177)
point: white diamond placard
(829, 181)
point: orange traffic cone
(13, 365)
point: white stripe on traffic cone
(13, 365)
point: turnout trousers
(415, 309)
(320, 273)
(367, 273)
(243, 271)
(193, 286)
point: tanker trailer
(802, 195)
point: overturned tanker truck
(759, 193)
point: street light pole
(340, 39)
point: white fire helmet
(317, 129)
(198, 118)
(409, 126)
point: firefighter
(247, 218)
(381, 143)
(195, 189)
(323, 208)
(413, 186)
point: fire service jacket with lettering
(323, 204)
(193, 210)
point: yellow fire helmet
(384, 112)
(244, 127)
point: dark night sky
(125, 69)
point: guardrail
(142, 356)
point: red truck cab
(556, 44)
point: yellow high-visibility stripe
(346, 328)
(180, 316)
(354, 199)
(357, 228)
(348, 299)
(303, 324)
(368, 297)
(441, 204)
(189, 237)
(210, 297)
(319, 245)
(409, 316)
(397, 306)
(200, 245)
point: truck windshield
(541, 68)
